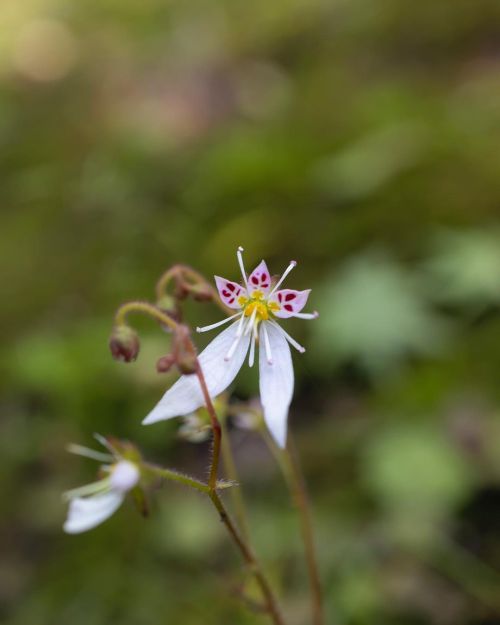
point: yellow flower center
(263, 309)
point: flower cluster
(259, 303)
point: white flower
(259, 304)
(92, 504)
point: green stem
(169, 474)
(288, 461)
(146, 308)
(250, 559)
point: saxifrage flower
(92, 504)
(259, 303)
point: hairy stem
(184, 271)
(169, 474)
(153, 311)
(290, 467)
(211, 488)
(146, 308)
(248, 555)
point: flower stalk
(288, 462)
(211, 488)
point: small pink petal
(260, 278)
(289, 301)
(229, 292)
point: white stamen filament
(105, 443)
(269, 355)
(251, 322)
(242, 267)
(233, 347)
(218, 324)
(241, 322)
(89, 489)
(290, 339)
(285, 273)
(79, 450)
(313, 315)
(252, 351)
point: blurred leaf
(373, 312)
(465, 268)
(414, 469)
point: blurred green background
(360, 138)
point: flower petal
(229, 291)
(185, 395)
(289, 301)
(260, 279)
(276, 382)
(86, 513)
(124, 476)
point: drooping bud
(165, 363)
(186, 363)
(124, 343)
(185, 358)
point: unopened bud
(165, 363)
(186, 363)
(124, 343)
(181, 291)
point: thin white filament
(79, 450)
(239, 331)
(290, 339)
(292, 264)
(269, 355)
(251, 323)
(105, 443)
(313, 315)
(89, 489)
(242, 267)
(218, 324)
(233, 347)
(252, 351)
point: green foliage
(359, 138)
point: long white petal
(86, 513)
(276, 382)
(185, 395)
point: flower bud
(165, 363)
(124, 343)
(186, 363)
